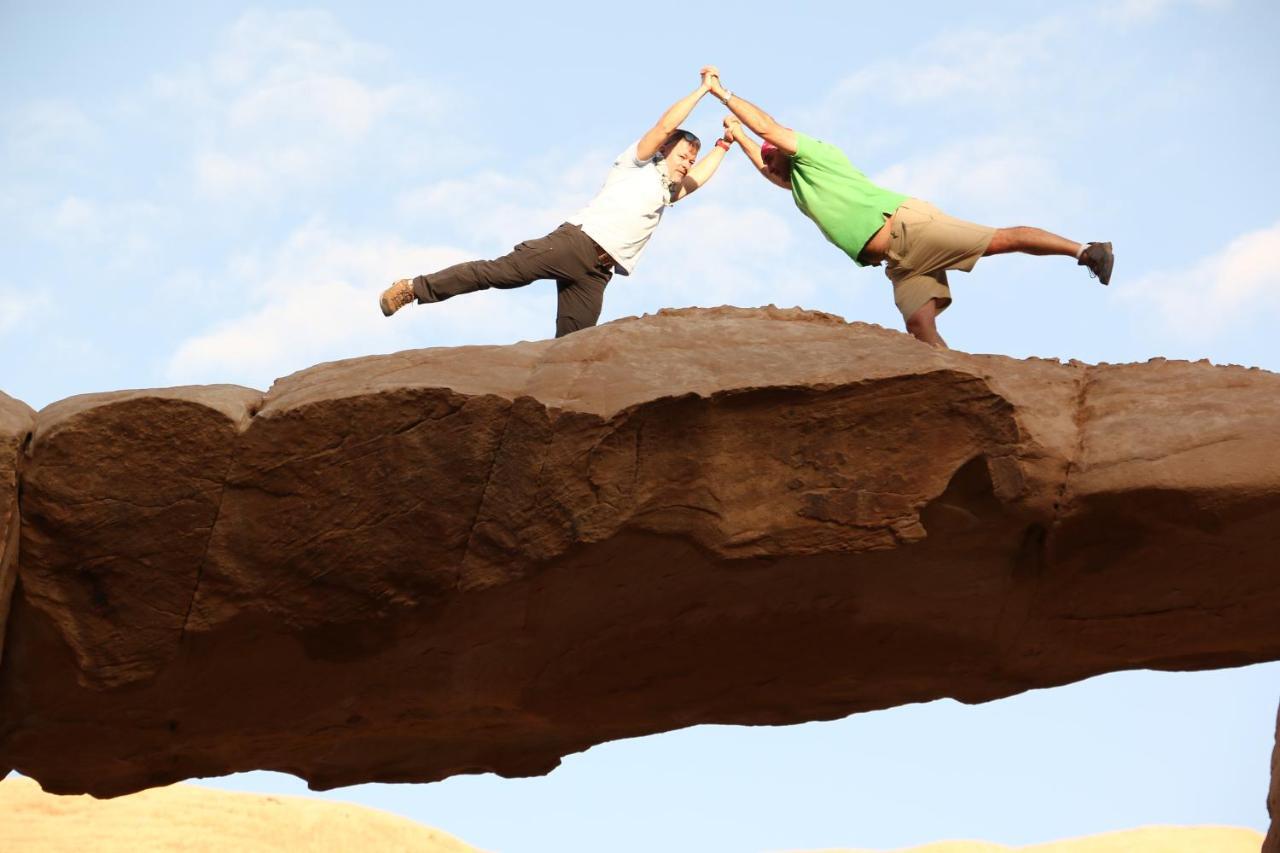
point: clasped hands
(711, 83)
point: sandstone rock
(16, 421)
(120, 493)
(445, 561)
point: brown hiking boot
(396, 296)
(1098, 258)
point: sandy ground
(1151, 839)
(189, 818)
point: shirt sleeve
(629, 158)
(818, 156)
(804, 148)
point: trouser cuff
(422, 290)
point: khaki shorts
(923, 244)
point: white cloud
(17, 305)
(970, 66)
(289, 44)
(290, 102)
(220, 175)
(1233, 288)
(486, 205)
(127, 233)
(51, 133)
(325, 103)
(979, 177)
(314, 299)
(77, 215)
(986, 70)
(492, 208)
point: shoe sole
(1108, 263)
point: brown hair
(681, 133)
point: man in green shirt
(917, 242)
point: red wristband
(720, 143)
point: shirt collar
(667, 184)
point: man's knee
(922, 324)
(922, 321)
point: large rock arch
(444, 561)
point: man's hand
(711, 80)
(732, 128)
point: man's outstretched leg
(1036, 241)
(554, 256)
(580, 267)
(529, 261)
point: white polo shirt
(622, 216)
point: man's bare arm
(750, 148)
(671, 120)
(702, 171)
(752, 116)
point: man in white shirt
(609, 234)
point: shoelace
(1084, 262)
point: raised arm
(704, 168)
(733, 129)
(751, 115)
(671, 120)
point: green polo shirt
(841, 201)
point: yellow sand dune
(190, 818)
(1150, 839)
(195, 819)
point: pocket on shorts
(897, 242)
(913, 222)
(908, 220)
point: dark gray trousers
(566, 254)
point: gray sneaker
(1098, 258)
(396, 296)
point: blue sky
(216, 193)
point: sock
(1083, 246)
